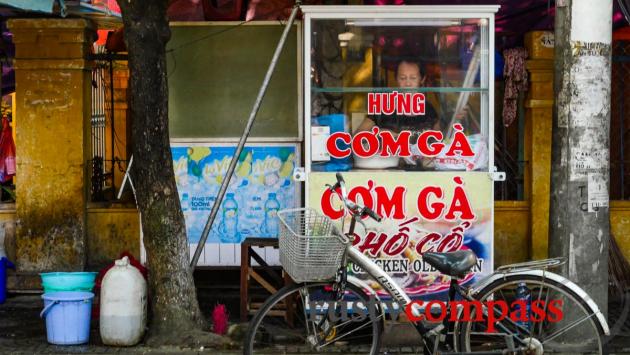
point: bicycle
(312, 315)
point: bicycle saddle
(455, 263)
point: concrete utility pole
(579, 217)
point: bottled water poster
(262, 184)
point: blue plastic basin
(68, 281)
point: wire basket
(309, 251)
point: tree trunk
(176, 317)
(579, 208)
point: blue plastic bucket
(4, 265)
(67, 317)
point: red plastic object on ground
(220, 319)
(222, 10)
(99, 278)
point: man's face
(408, 75)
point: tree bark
(176, 318)
(579, 208)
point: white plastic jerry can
(123, 314)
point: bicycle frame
(399, 295)
(386, 282)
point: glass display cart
(400, 99)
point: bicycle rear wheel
(295, 320)
(557, 321)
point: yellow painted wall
(110, 231)
(53, 81)
(512, 236)
(620, 225)
(537, 138)
(511, 232)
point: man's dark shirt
(399, 123)
(415, 124)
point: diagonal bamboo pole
(241, 143)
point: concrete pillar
(579, 214)
(538, 122)
(53, 82)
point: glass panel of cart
(398, 100)
(399, 94)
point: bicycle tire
(465, 333)
(299, 344)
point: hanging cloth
(515, 76)
(7, 151)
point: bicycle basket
(308, 249)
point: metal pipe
(504, 186)
(241, 143)
(111, 101)
(622, 134)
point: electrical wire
(174, 65)
(171, 51)
(202, 38)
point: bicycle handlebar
(353, 207)
(340, 178)
(372, 214)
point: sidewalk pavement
(23, 332)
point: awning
(105, 13)
(45, 6)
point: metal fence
(99, 111)
(506, 161)
(509, 150)
(105, 165)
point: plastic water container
(67, 317)
(123, 313)
(4, 265)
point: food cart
(419, 154)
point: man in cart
(409, 75)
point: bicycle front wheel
(554, 319)
(307, 318)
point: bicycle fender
(364, 285)
(552, 276)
